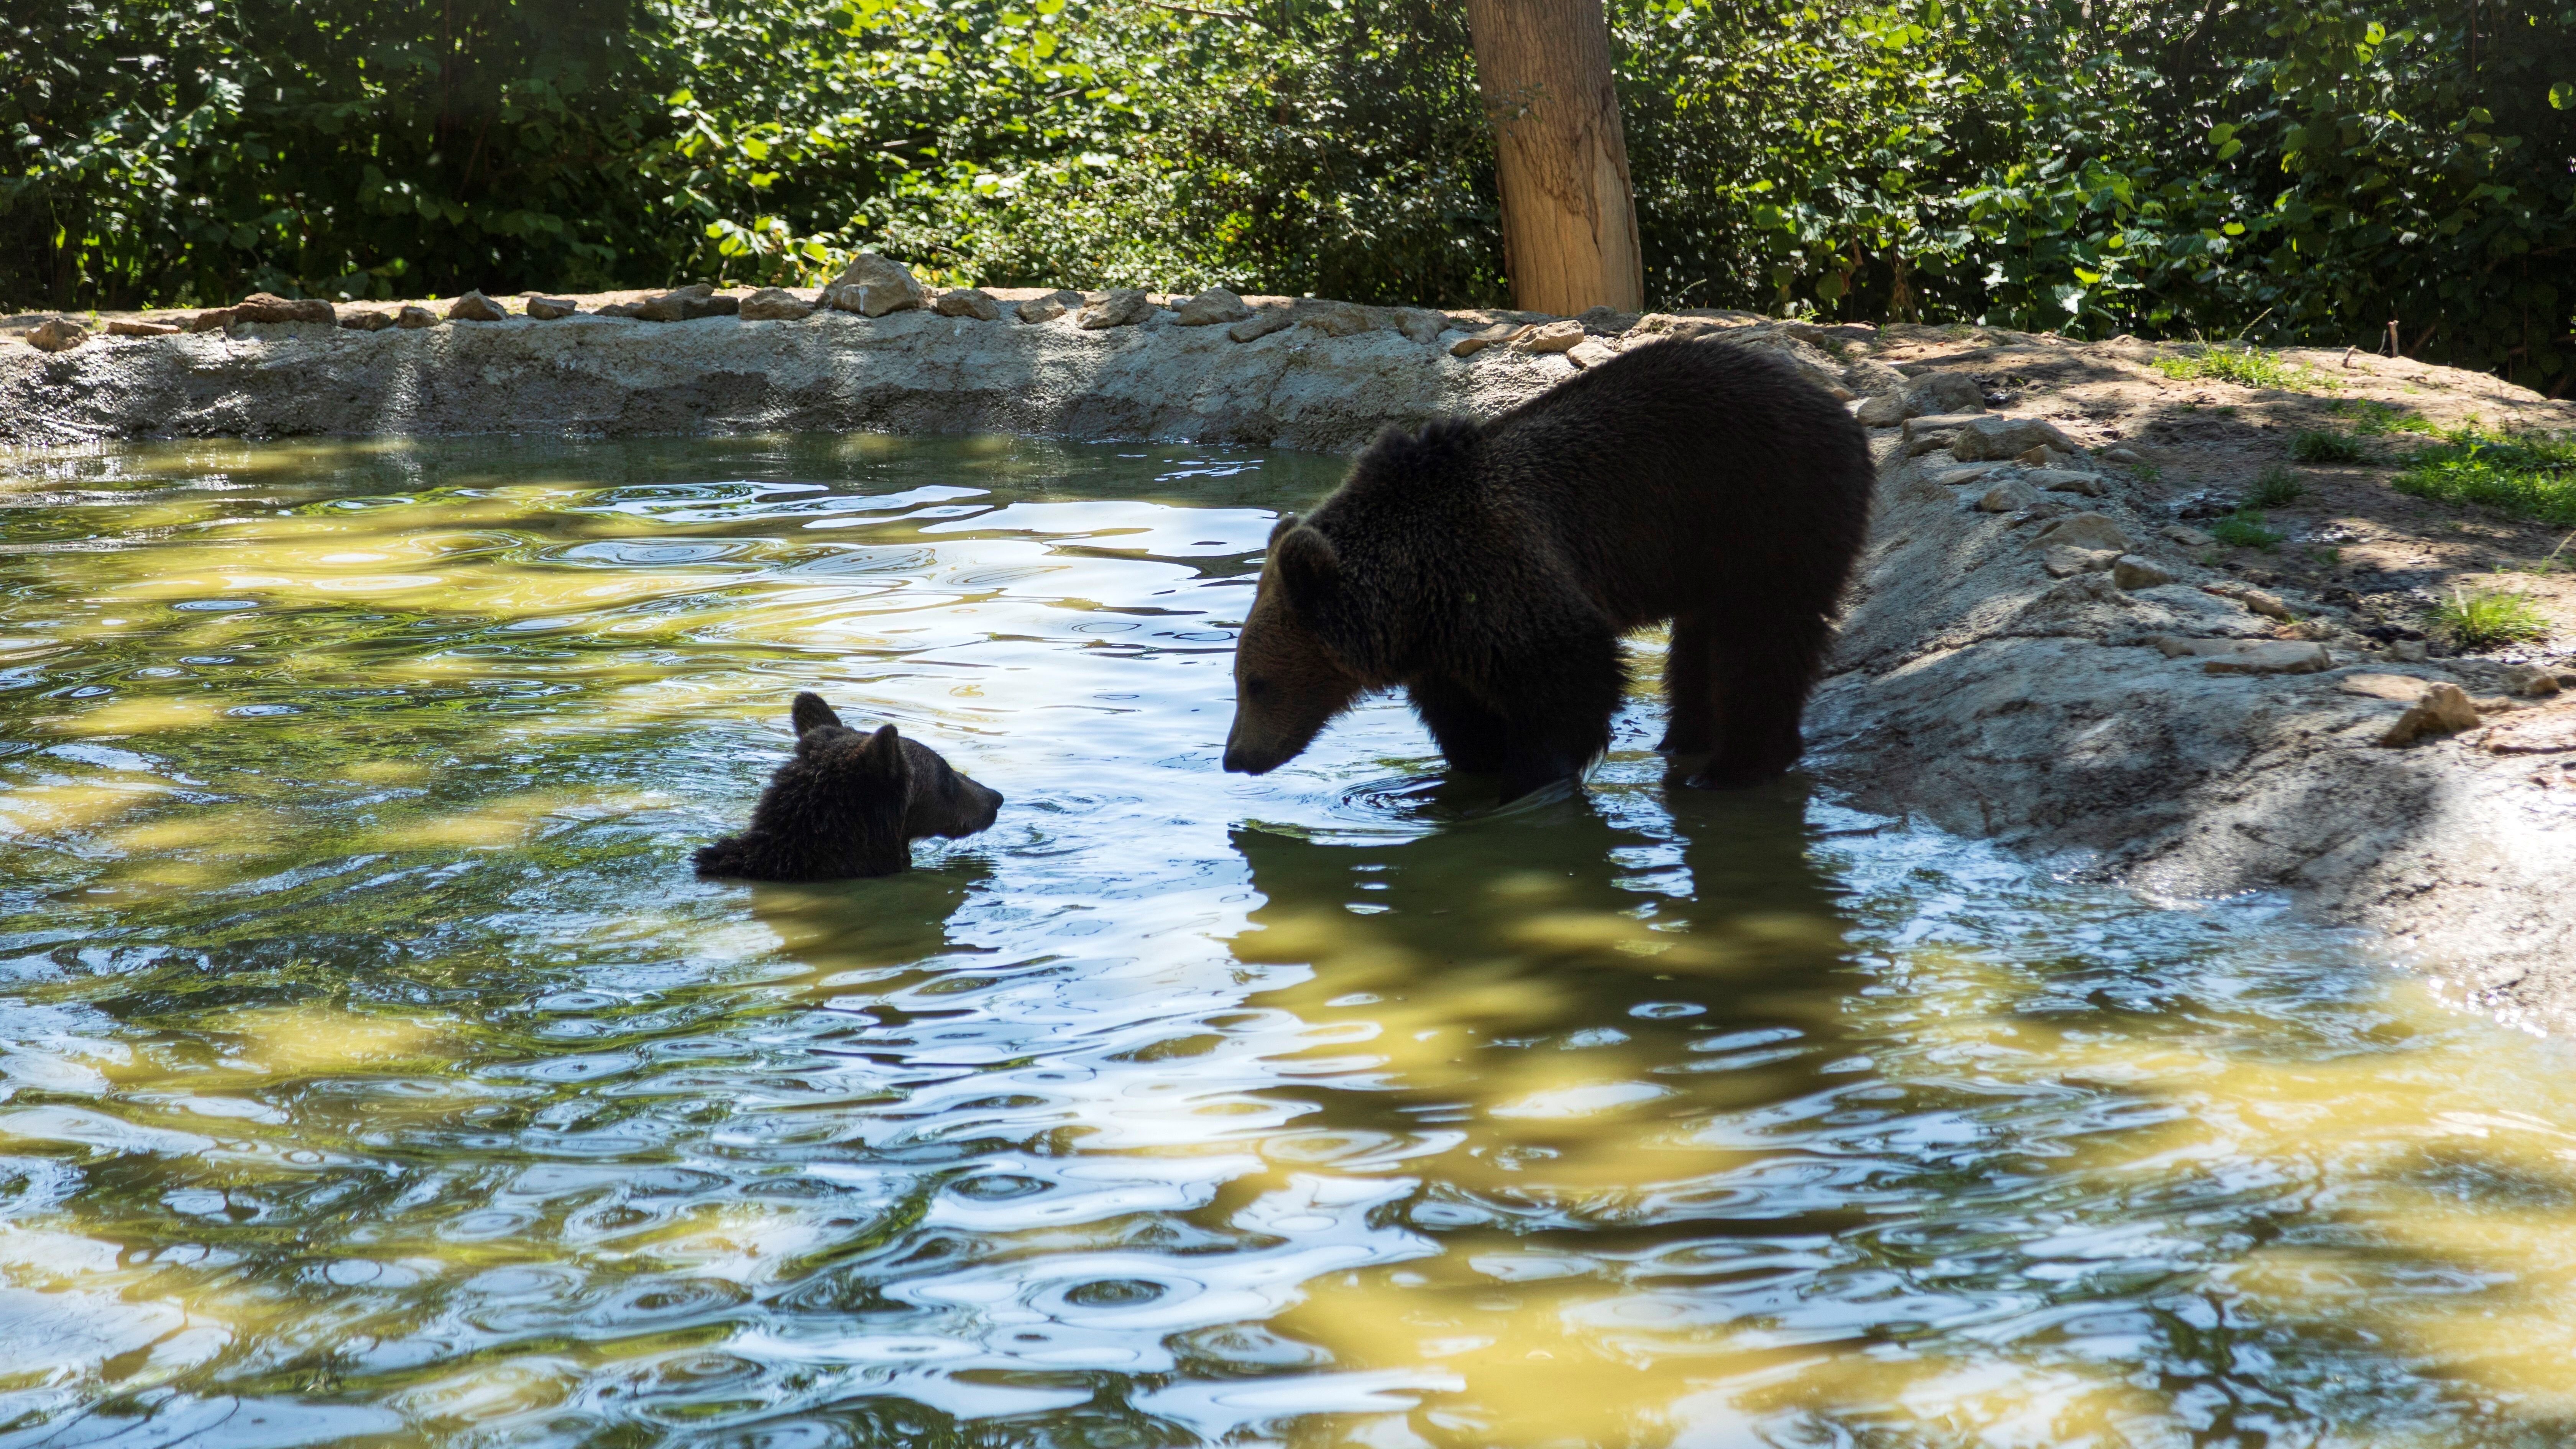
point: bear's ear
(1311, 571)
(1286, 522)
(883, 753)
(810, 713)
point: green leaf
(2561, 96)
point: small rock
(2403, 688)
(873, 286)
(2060, 480)
(2550, 732)
(1944, 392)
(2179, 646)
(1263, 323)
(2189, 537)
(366, 319)
(2267, 605)
(1957, 477)
(2083, 530)
(1340, 319)
(1872, 378)
(2443, 709)
(627, 310)
(1941, 426)
(1049, 307)
(1210, 308)
(2530, 681)
(267, 307)
(472, 307)
(1122, 307)
(123, 328)
(2125, 457)
(1883, 411)
(57, 335)
(411, 317)
(552, 309)
(1590, 352)
(1998, 437)
(1477, 341)
(688, 304)
(2066, 563)
(2132, 572)
(1421, 324)
(2410, 651)
(2275, 658)
(2010, 496)
(214, 319)
(1549, 337)
(972, 302)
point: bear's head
(849, 804)
(1288, 682)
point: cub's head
(904, 782)
(849, 804)
(1288, 684)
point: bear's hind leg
(1472, 737)
(1761, 694)
(1690, 722)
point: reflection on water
(373, 1071)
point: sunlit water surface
(376, 1072)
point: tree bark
(1569, 222)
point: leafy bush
(2526, 476)
(2489, 618)
(2244, 529)
(2083, 166)
(2311, 445)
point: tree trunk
(1569, 224)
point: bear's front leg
(1471, 736)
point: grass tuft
(2274, 487)
(2525, 476)
(2377, 419)
(2245, 367)
(2490, 617)
(2244, 529)
(2315, 446)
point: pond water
(373, 1070)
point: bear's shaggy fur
(849, 804)
(1489, 569)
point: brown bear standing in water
(1489, 569)
(849, 804)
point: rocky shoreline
(2045, 646)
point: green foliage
(2274, 487)
(2313, 445)
(2526, 475)
(2270, 174)
(2244, 529)
(2377, 419)
(2489, 618)
(2245, 367)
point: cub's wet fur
(849, 804)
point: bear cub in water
(849, 804)
(1490, 568)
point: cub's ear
(811, 713)
(1286, 522)
(884, 749)
(1311, 571)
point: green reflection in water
(376, 1073)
